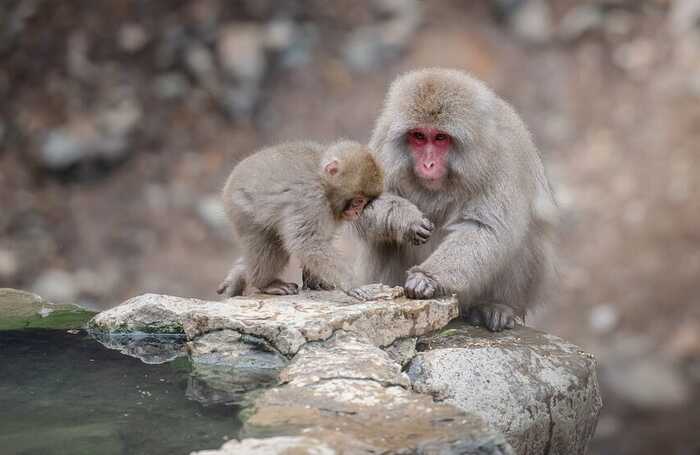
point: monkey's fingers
(414, 287)
(420, 286)
(423, 232)
(428, 290)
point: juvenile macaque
(460, 165)
(291, 199)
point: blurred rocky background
(120, 119)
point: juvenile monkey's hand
(419, 231)
(421, 286)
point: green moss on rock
(24, 310)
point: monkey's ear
(331, 167)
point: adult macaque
(459, 164)
(291, 199)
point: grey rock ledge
(539, 390)
(287, 323)
(339, 375)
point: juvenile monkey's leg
(235, 282)
(309, 240)
(267, 259)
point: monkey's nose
(429, 165)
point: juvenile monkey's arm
(391, 218)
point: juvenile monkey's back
(272, 179)
(276, 167)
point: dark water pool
(63, 393)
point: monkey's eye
(417, 135)
(441, 137)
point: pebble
(532, 22)
(685, 16)
(199, 60)
(132, 37)
(241, 51)
(580, 20)
(171, 86)
(102, 134)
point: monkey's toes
(495, 317)
(281, 288)
(317, 286)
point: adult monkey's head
(431, 130)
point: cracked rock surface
(287, 323)
(347, 386)
(332, 388)
(539, 390)
(321, 372)
(227, 366)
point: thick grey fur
(278, 206)
(490, 223)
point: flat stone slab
(539, 390)
(344, 356)
(286, 322)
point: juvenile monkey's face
(429, 148)
(354, 207)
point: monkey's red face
(355, 207)
(430, 148)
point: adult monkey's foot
(493, 316)
(279, 287)
(312, 282)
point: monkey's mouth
(350, 214)
(432, 182)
